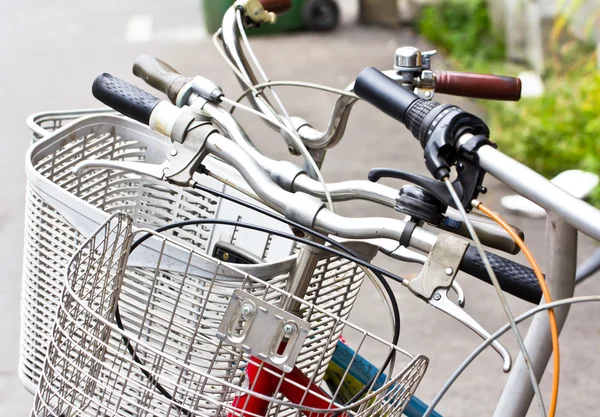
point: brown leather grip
(485, 86)
(276, 6)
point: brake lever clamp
(438, 277)
(189, 134)
(468, 183)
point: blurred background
(53, 51)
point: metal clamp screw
(449, 271)
(289, 329)
(247, 310)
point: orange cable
(547, 298)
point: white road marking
(139, 28)
(184, 34)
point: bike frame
(266, 380)
(561, 235)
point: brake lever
(441, 301)
(182, 161)
(460, 294)
(437, 278)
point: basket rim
(391, 380)
(33, 120)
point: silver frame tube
(538, 189)
(562, 255)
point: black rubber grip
(514, 278)
(124, 97)
(160, 75)
(379, 90)
(415, 116)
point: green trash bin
(304, 14)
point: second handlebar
(140, 105)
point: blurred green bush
(558, 131)
(552, 133)
(462, 28)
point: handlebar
(160, 75)
(126, 98)
(484, 86)
(134, 102)
(423, 118)
(277, 6)
(293, 178)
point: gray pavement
(53, 50)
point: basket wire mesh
(62, 210)
(162, 356)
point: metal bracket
(441, 266)
(185, 158)
(182, 161)
(263, 330)
(437, 278)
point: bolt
(173, 152)
(427, 93)
(293, 150)
(449, 271)
(436, 297)
(289, 329)
(247, 309)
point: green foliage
(558, 131)
(553, 133)
(462, 28)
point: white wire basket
(62, 210)
(44, 123)
(165, 358)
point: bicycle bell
(414, 67)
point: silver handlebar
(310, 211)
(538, 189)
(292, 178)
(312, 138)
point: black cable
(136, 359)
(378, 272)
(278, 233)
(349, 254)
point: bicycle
(190, 129)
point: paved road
(53, 50)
